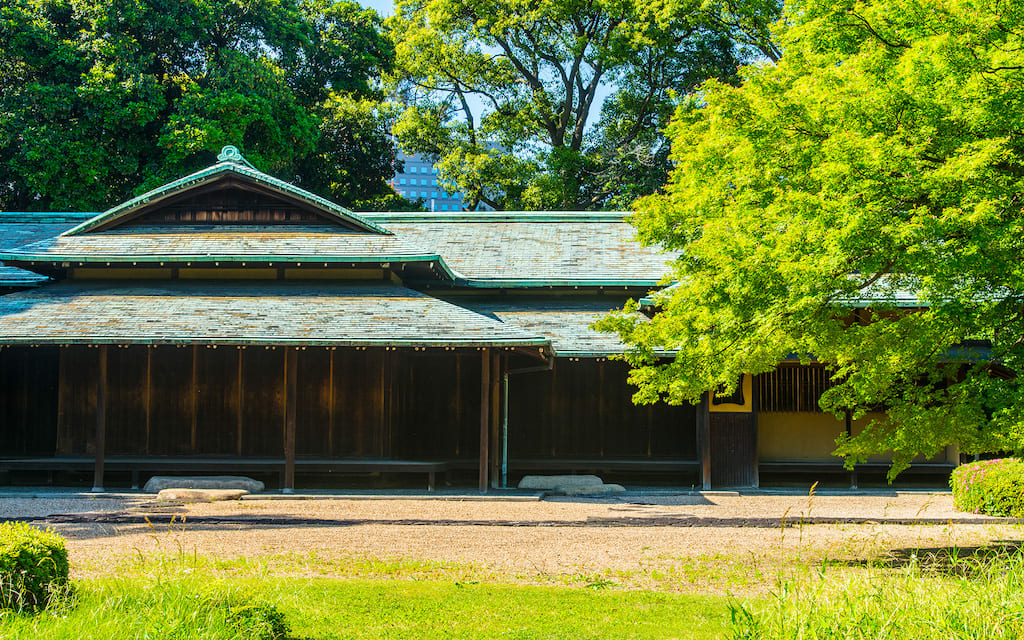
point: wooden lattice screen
(792, 388)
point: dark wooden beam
(485, 415)
(755, 408)
(704, 442)
(457, 433)
(495, 440)
(330, 401)
(101, 421)
(148, 401)
(62, 408)
(240, 418)
(848, 423)
(291, 356)
(194, 394)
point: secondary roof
(243, 313)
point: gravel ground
(636, 538)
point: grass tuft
(948, 596)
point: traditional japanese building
(229, 322)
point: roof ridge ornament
(230, 153)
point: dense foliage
(101, 99)
(992, 487)
(877, 164)
(33, 566)
(504, 92)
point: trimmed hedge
(33, 566)
(992, 487)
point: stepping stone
(554, 482)
(157, 484)
(592, 490)
(200, 495)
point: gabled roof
(230, 165)
(209, 243)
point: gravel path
(634, 536)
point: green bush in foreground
(992, 487)
(33, 566)
(259, 621)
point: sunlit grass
(937, 594)
(195, 600)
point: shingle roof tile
(167, 242)
(496, 253)
(566, 321)
(362, 313)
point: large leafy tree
(859, 202)
(99, 99)
(504, 93)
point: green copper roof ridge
(497, 283)
(26, 257)
(44, 217)
(203, 175)
(492, 216)
(537, 341)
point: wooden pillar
(194, 393)
(148, 401)
(101, 421)
(755, 408)
(290, 393)
(849, 432)
(495, 411)
(330, 401)
(485, 415)
(704, 442)
(240, 417)
(457, 432)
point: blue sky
(384, 7)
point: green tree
(102, 99)
(877, 166)
(502, 92)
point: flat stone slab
(157, 484)
(200, 495)
(555, 482)
(591, 490)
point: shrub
(33, 566)
(992, 487)
(259, 621)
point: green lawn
(180, 607)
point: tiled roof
(232, 313)
(531, 252)
(565, 320)
(532, 249)
(212, 242)
(22, 228)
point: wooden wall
(28, 408)
(170, 400)
(227, 401)
(584, 409)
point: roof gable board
(232, 171)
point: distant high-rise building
(419, 182)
